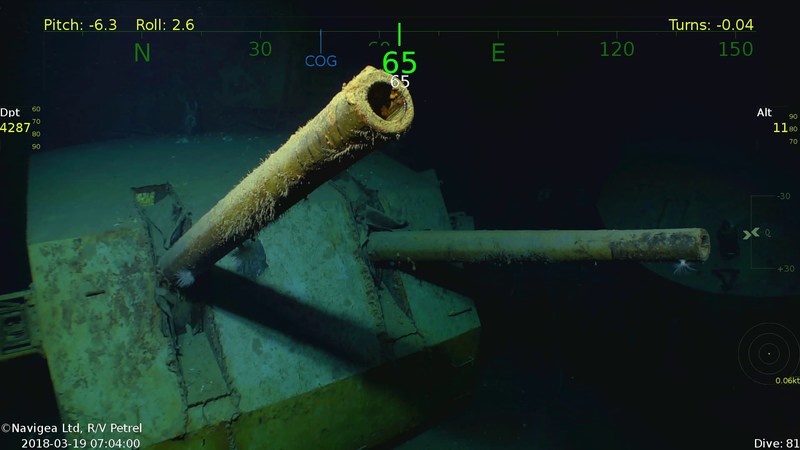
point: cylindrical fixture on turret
(543, 246)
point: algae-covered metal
(540, 245)
(367, 112)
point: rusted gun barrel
(691, 244)
(367, 112)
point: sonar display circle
(768, 351)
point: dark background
(659, 360)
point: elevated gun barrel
(367, 112)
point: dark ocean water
(575, 355)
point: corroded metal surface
(100, 330)
(367, 112)
(540, 245)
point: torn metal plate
(100, 329)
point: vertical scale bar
(398, 34)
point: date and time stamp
(78, 435)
